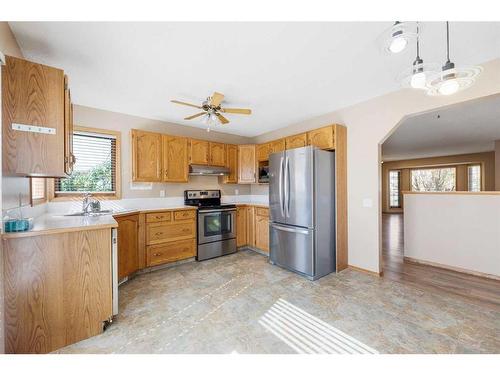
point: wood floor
(478, 289)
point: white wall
(457, 230)
(368, 125)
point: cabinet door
(175, 159)
(69, 159)
(262, 233)
(241, 226)
(322, 138)
(295, 141)
(262, 152)
(217, 154)
(128, 246)
(232, 164)
(198, 152)
(250, 226)
(277, 146)
(146, 156)
(246, 164)
(33, 95)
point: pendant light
(452, 79)
(398, 37)
(416, 76)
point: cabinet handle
(156, 254)
(166, 172)
(158, 233)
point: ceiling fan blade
(194, 116)
(217, 98)
(222, 119)
(240, 111)
(184, 103)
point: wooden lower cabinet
(128, 245)
(170, 252)
(252, 227)
(262, 229)
(170, 236)
(58, 289)
(241, 226)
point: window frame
(434, 167)
(400, 173)
(481, 176)
(54, 197)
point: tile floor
(242, 304)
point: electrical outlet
(236, 191)
(162, 193)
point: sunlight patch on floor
(307, 334)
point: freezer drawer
(292, 248)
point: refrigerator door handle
(280, 188)
(288, 229)
(287, 186)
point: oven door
(216, 225)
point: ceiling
(463, 128)
(285, 72)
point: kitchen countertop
(52, 224)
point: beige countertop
(52, 224)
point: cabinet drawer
(184, 215)
(170, 252)
(259, 211)
(157, 217)
(158, 233)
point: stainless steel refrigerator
(302, 211)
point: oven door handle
(222, 210)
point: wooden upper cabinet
(128, 245)
(323, 138)
(146, 156)
(262, 152)
(295, 141)
(69, 158)
(247, 164)
(175, 159)
(217, 154)
(33, 95)
(277, 146)
(199, 152)
(232, 164)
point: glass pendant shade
(453, 79)
(417, 76)
(397, 38)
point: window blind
(95, 167)
(474, 178)
(37, 188)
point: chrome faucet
(86, 202)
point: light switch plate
(367, 202)
(162, 193)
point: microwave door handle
(280, 188)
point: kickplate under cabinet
(33, 129)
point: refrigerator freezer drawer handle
(292, 230)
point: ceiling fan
(212, 109)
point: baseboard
(452, 268)
(359, 269)
(258, 251)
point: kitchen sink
(95, 213)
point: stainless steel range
(216, 223)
